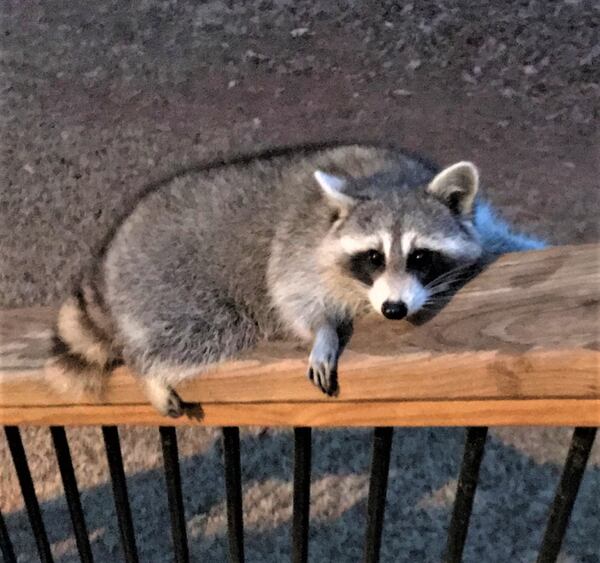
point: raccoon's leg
(159, 385)
(322, 362)
(163, 397)
(328, 345)
(169, 346)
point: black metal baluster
(302, 462)
(233, 486)
(566, 493)
(6, 547)
(380, 464)
(27, 489)
(119, 485)
(465, 493)
(65, 464)
(168, 438)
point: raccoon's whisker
(445, 284)
(450, 274)
(440, 290)
(458, 276)
(448, 283)
(449, 277)
(438, 294)
(435, 297)
(433, 304)
(451, 282)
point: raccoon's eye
(364, 266)
(376, 258)
(420, 260)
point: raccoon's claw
(322, 362)
(324, 376)
(175, 405)
(164, 399)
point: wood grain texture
(537, 412)
(519, 344)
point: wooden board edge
(486, 376)
(542, 412)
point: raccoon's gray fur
(294, 243)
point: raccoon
(291, 243)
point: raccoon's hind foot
(322, 362)
(168, 403)
(175, 406)
(164, 398)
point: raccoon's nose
(395, 310)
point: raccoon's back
(212, 229)
(209, 234)
(198, 238)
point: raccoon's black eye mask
(364, 265)
(428, 264)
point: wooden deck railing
(518, 345)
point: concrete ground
(99, 99)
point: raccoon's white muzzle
(405, 288)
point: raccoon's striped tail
(82, 354)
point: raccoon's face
(397, 247)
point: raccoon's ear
(333, 188)
(456, 186)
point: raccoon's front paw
(322, 371)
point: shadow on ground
(507, 523)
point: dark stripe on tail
(94, 325)
(96, 319)
(74, 361)
(69, 360)
(86, 319)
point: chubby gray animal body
(296, 243)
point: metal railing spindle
(6, 547)
(233, 486)
(380, 464)
(168, 438)
(465, 493)
(19, 458)
(566, 493)
(65, 464)
(119, 485)
(302, 467)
